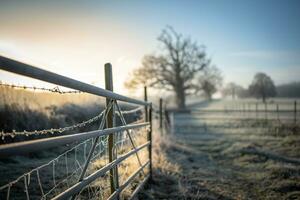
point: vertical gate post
(110, 123)
(150, 139)
(148, 118)
(160, 113)
(146, 107)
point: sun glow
(74, 47)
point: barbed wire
(103, 142)
(52, 130)
(56, 89)
(54, 164)
(135, 110)
(102, 147)
(14, 133)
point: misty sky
(76, 38)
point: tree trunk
(209, 97)
(179, 90)
(180, 98)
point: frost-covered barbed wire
(72, 155)
(54, 166)
(56, 89)
(135, 110)
(52, 130)
(14, 133)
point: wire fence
(96, 164)
(55, 131)
(52, 131)
(64, 170)
(275, 118)
(56, 89)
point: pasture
(223, 149)
(228, 155)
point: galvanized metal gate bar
(128, 133)
(128, 181)
(86, 181)
(20, 68)
(45, 143)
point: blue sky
(76, 38)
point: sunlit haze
(76, 38)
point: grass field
(237, 160)
(204, 155)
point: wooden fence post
(295, 112)
(148, 118)
(256, 109)
(249, 110)
(266, 114)
(114, 183)
(150, 139)
(160, 113)
(146, 107)
(277, 109)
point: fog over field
(150, 100)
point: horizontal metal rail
(45, 143)
(20, 68)
(73, 190)
(212, 126)
(237, 118)
(127, 182)
(196, 111)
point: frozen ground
(238, 159)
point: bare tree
(210, 80)
(229, 90)
(262, 86)
(175, 68)
(141, 76)
(234, 90)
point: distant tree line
(289, 90)
(262, 87)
